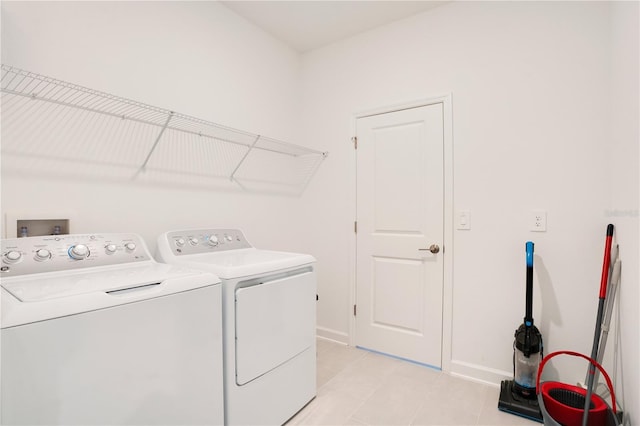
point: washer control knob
(130, 246)
(79, 252)
(12, 256)
(229, 238)
(180, 242)
(193, 241)
(213, 240)
(42, 255)
(110, 248)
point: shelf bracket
(244, 157)
(155, 144)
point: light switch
(464, 219)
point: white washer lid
(41, 287)
(39, 297)
(246, 262)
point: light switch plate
(464, 220)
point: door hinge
(355, 226)
(355, 142)
(354, 310)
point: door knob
(433, 248)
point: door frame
(447, 291)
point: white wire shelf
(51, 127)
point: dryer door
(275, 321)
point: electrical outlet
(538, 221)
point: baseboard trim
(329, 334)
(479, 373)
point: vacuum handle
(528, 318)
(529, 250)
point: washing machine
(269, 308)
(95, 331)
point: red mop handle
(606, 263)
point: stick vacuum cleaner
(518, 396)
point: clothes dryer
(94, 331)
(269, 306)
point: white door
(400, 202)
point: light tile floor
(357, 387)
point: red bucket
(565, 403)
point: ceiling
(307, 25)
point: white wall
(196, 58)
(531, 88)
(625, 192)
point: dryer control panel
(33, 255)
(195, 241)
